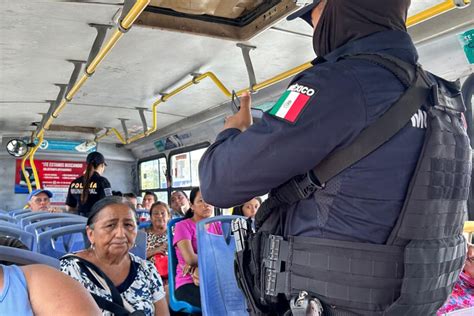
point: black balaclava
(343, 21)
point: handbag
(161, 264)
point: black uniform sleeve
(104, 189)
(286, 143)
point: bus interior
(149, 83)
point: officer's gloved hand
(242, 119)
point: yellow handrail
(124, 25)
(424, 15)
(130, 19)
(433, 11)
(32, 162)
(469, 227)
(221, 87)
(23, 170)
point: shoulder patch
(292, 103)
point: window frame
(179, 151)
(155, 157)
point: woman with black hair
(80, 200)
(249, 208)
(185, 243)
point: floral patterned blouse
(141, 289)
(461, 297)
(153, 240)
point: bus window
(184, 168)
(153, 177)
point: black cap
(95, 158)
(304, 12)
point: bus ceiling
(236, 20)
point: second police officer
(324, 110)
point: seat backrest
(220, 294)
(59, 241)
(17, 213)
(9, 224)
(26, 238)
(44, 216)
(177, 306)
(43, 225)
(144, 225)
(19, 217)
(24, 257)
(6, 218)
(140, 245)
(38, 227)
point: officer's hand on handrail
(242, 119)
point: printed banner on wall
(54, 176)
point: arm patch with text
(292, 103)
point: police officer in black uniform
(97, 187)
(324, 110)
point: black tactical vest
(414, 272)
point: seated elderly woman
(462, 295)
(157, 240)
(185, 243)
(119, 281)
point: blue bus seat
(177, 306)
(140, 245)
(23, 257)
(43, 225)
(16, 213)
(47, 224)
(6, 218)
(144, 225)
(9, 224)
(142, 214)
(220, 294)
(54, 244)
(19, 217)
(44, 216)
(26, 238)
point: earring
(92, 246)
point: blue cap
(36, 192)
(304, 12)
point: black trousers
(189, 293)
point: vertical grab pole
(32, 162)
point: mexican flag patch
(292, 102)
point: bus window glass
(153, 174)
(184, 168)
(162, 196)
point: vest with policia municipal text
(414, 272)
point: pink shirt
(186, 230)
(461, 297)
